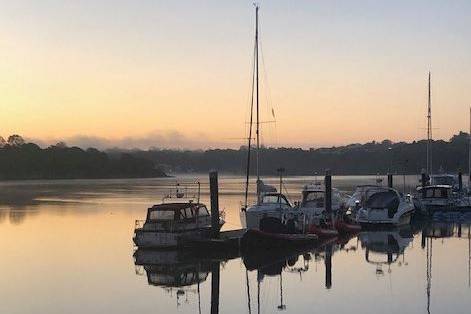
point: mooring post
(460, 181)
(328, 191)
(214, 193)
(215, 287)
(390, 180)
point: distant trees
(20, 160)
(359, 159)
(15, 140)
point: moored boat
(171, 225)
(384, 207)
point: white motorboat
(384, 206)
(312, 205)
(270, 204)
(442, 198)
(171, 225)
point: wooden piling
(460, 181)
(215, 287)
(390, 180)
(328, 191)
(214, 194)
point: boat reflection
(180, 273)
(384, 247)
(282, 262)
(171, 271)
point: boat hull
(322, 232)
(164, 240)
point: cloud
(156, 139)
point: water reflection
(180, 273)
(384, 247)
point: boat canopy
(384, 200)
(176, 211)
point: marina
(214, 157)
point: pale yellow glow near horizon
(106, 83)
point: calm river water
(66, 247)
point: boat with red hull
(347, 227)
(254, 238)
(326, 231)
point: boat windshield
(387, 199)
(274, 199)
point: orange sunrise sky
(178, 73)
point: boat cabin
(436, 191)
(171, 215)
(445, 179)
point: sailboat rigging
(270, 202)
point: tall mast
(257, 96)
(254, 78)
(429, 129)
(249, 139)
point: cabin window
(162, 215)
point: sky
(178, 73)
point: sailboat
(443, 192)
(270, 203)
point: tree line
(354, 159)
(20, 160)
